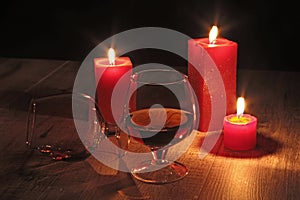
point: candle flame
(111, 56)
(240, 106)
(213, 34)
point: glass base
(61, 153)
(167, 172)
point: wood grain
(270, 171)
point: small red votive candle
(240, 129)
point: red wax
(107, 76)
(224, 54)
(240, 133)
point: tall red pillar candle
(224, 54)
(108, 72)
(240, 130)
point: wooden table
(270, 171)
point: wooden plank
(189, 186)
(37, 176)
(19, 75)
(27, 174)
(61, 81)
(3, 60)
(271, 171)
(53, 78)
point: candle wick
(213, 41)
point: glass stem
(31, 123)
(159, 157)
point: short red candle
(107, 75)
(240, 132)
(240, 129)
(224, 53)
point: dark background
(68, 30)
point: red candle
(224, 54)
(240, 129)
(108, 72)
